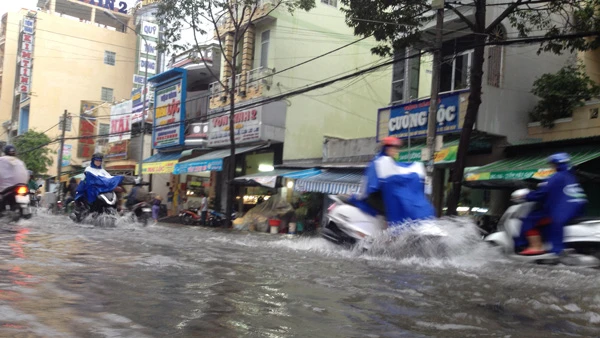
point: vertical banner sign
(149, 30)
(26, 55)
(87, 133)
(66, 156)
(120, 122)
(169, 113)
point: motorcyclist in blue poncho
(96, 181)
(561, 199)
(399, 185)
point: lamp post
(143, 124)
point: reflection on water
(59, 279)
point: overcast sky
(14, 5)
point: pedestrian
(156, 207)
(169, 201)
(203, 208)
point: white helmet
(518, 196)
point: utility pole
(60, 153)
(435, 89)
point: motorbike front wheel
(187, 220)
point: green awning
(526, 167)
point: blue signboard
(169, 108)
(413, 117)
(198, 166)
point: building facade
(67, 56)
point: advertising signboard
(169, 113)
(247, 124)
(120, 122)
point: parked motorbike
(581, 237)
(14, 202)
(103, 210)
(214, 218)
(347, 225)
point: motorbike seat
(583, 219)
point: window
(415, 68)
(398, 76)
(455, 72)
(264, 48)
(107, 94)
(330, 2)
(594, 113)
(103, 129)
(110, 58)
(495, 66)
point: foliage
(560, 93)
(30, 150)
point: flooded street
(58, 279)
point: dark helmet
(10, 150)
(97, 156)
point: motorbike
(14, 202)
(142, 212)
(347, 225)
(581, 237)
(103, 210)
(214, 218)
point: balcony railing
(255, 78)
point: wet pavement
(58, 279)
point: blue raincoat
(402, 188)
(93, 185)
(562, 199)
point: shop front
(525, 166)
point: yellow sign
(165, 167)
(542, 174)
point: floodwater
(58, 279)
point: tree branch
(508, 11)
(462, 17)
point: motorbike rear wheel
(187, 220)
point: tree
(561, 93)
(397, 25)
(31, 149)
(230, 20)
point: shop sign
(149, 29)
(169, 113)
(199, 166)
(165, 167)
(137, 104)
(538, 174)
(66, 155)
(148, 47)
(120, 122)
(113, 5)
(87, 133)
(117, 151)
(139, 79)
(151, 66)
(445, 155)
(247, 125)
(26, 55)
(411, 119)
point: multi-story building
(508, 74)
(578, 135)
(67, 56)
(270, 63)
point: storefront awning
(336, 182)
(212, 161)
(160, 163)
(522, 168)
(269, 178)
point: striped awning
(269, 178)
(334, 182)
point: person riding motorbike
(96, 181)
(137, 194)
(400, 186)
(562, 199)
(12, 170)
